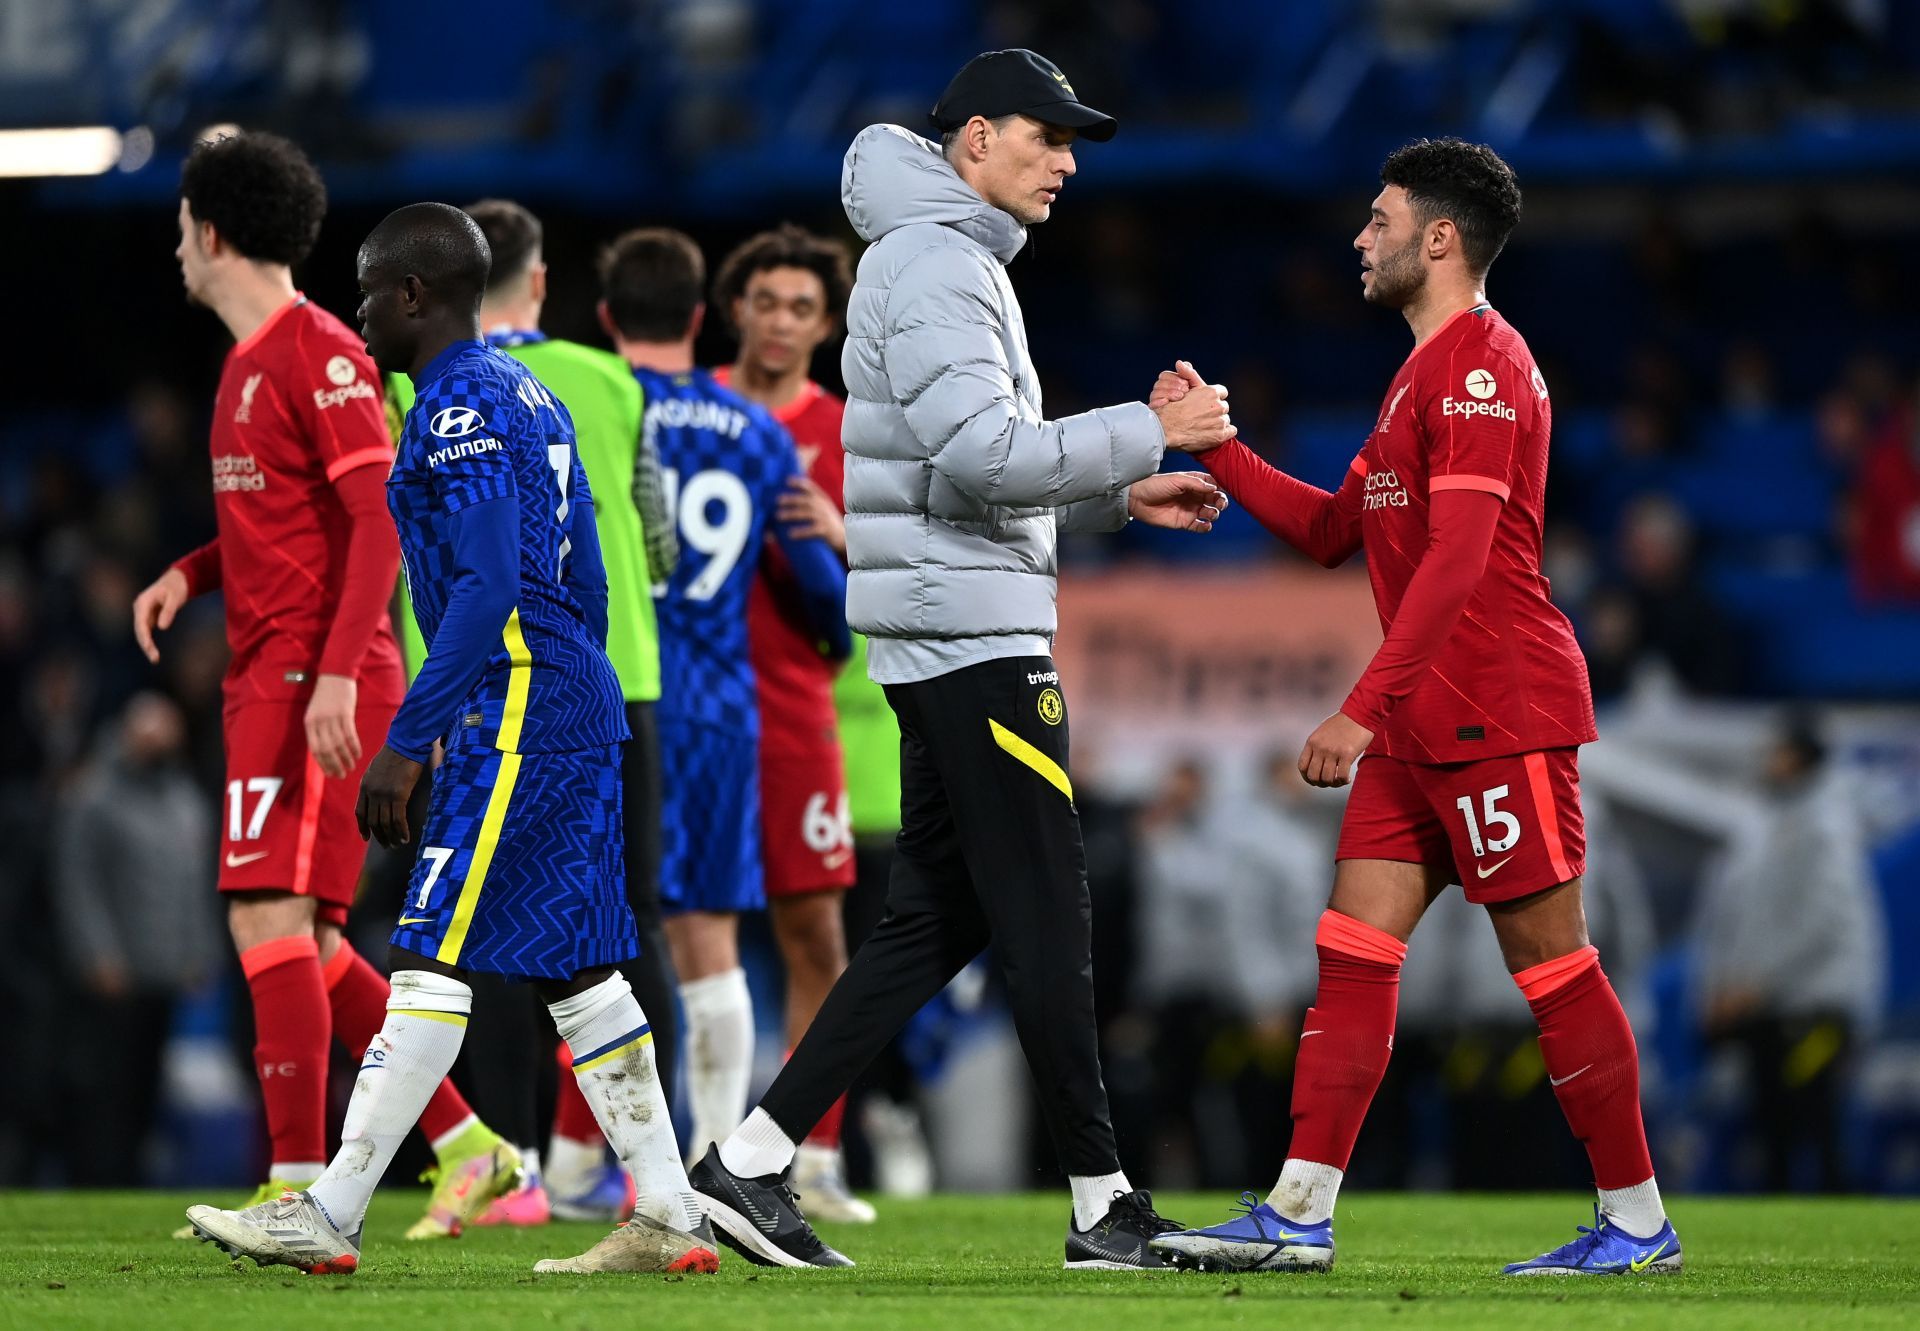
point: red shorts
(285, 826)
(1504, 826)
(805, 837)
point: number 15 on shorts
(1492, 816)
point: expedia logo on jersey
(1384, 490)
(1480, 386)
(466, 448)
(1453, 406)
(339, 397)
(237, 471)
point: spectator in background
(1677, 620)
(137, 929)
(1886, 548)
(1229, 893)
(1747, 388)
(1792, 954)
(1465, 1025)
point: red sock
(826, 1133)
(290, 1047)
(358, 993)
(572, 1115)
(1346, 1039)
(1591, 1057)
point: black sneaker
(759, 1218)
(1119, 1241)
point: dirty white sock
(613, 1061)
(1306, 1191)
(405, 1064)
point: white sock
(613, 1061)
(571, 1164)
(405, 1064)
(811, 1161)
(1306, 1191)
(1093, 1197)
(719, 1054)
(757, 1147)
(299, 1171)
(1637, 1210)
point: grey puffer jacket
(954, 479)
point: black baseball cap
(1017, 82)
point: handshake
(1192, 412)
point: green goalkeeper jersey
(600, 393)
(870, 743)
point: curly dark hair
(786, 246)
(1466, 183)
(651, 280)
(260, 192)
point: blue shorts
(709, 820)
(522, 869)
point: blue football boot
(1606, 1250)
(1258, 1239)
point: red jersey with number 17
(795, 683)
(298, 408)
(1469, 411)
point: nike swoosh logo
(1488, 873)
(1641, 1263)
(1562, 1081)
(1305, 1034)
(235, 861)
(838, 858)
(415, 919)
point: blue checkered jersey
(725, 462)
(503, 566)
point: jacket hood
(894, 178)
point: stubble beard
(1398, 279)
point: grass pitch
(104, 1260)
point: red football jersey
(795, 683)
(298, 407)
(1469, 411)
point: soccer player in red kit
(784, 292)
(306, 557)
(1470, 716)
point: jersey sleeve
(484, 589)
(821, 577)
(372, 565)
(474, 465)
(1473, 416)
(1459, 540)
(201, 568)
(586, 564)
(1324, 527)
(333, 394)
